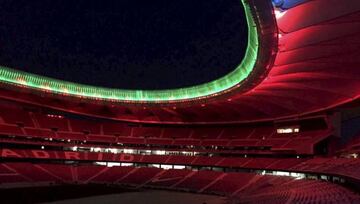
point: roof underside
(316, 68)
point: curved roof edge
(206, 90)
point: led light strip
(205, 90)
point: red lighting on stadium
(287, 134)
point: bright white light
(160, 152)
(279, 14)
(297, 175)
(166, 166)
(287, 130)
(156, 165)
(127, 164)
(281, 173)
(128, 151)
(284, 173)
(101, 163)
(111, 164)
(112, 150)
(179, 167)
(187, 153)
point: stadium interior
(289, 132)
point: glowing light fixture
(233, 79)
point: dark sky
(134, 44)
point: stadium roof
(222, 84)
(305, 64)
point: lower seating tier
(245, 187)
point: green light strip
(199, 91)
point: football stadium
(280, 125)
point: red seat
(10, 129)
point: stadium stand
(279, 138)
(244, 186)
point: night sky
(132, 44)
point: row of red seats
(199, 180)
(14, 115)
(99, 128)
(14, 120)
(239, 162)
(244, 186)
(302, 145)
(275, 190)
(336, 166)
(340, 166)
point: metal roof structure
(306, 61)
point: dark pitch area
(132, 44)
(57, 192)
